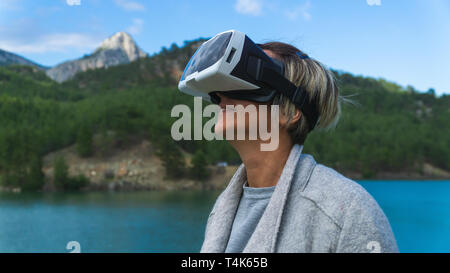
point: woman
(282, 200)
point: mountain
(165, 68)
(389, 132)
(8, 58)
(120, 48)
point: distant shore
(218, 182)
(428, 173)
(138, 168)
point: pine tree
(84, 141)
(60, 173)
(173, 160)
(199, 169)
(36, 178)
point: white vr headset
(231, 64)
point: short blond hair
(316, 79)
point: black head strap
(268, 73)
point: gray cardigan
(313, 209)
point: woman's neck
(263, 168)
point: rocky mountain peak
(122, 40)
(120, 48)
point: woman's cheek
(219, 127)
(223, 122)
(227, 121)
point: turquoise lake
(419, 213)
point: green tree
(63, 181)
(60, 173)
(36, 178)
(172, 159)
(84, 141)
(76, 183)
(199, 169)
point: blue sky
(404, 41)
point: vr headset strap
(266, 73)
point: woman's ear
(285, 122)
(297, 116)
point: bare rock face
(117, 49)
(123, 41)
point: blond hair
(315, 79)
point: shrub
(60, 172)
(84, 141)
(76, 183)
(62, 179)
(172, 159)
(36, 178)
(199, 169)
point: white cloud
(300, 11)
(73, 2)
(130, 5)
(56, 42)
(137, 26)
(250, 7)
(26, 35)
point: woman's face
(228, 116)
(246, 120)
(252, 120)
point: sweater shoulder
(336, 195)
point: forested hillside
(390, 128)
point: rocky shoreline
(132, 168)
(136, 168)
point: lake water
(419, 212)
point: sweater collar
(266, 232)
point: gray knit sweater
(313, 209)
